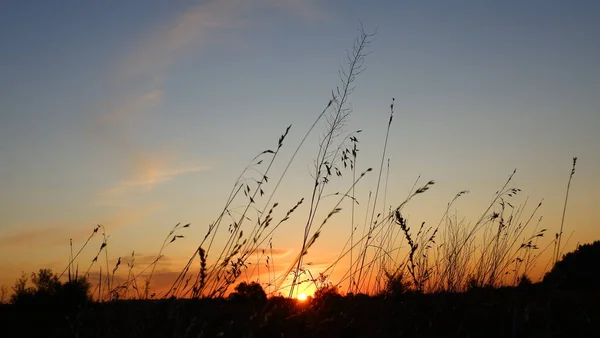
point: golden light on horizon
(302, 297)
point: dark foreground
(506, 312)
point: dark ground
(507, 312)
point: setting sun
(301, 297)
(242, 168)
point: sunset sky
(141, 114)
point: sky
(138, 115)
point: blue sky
(141, 114)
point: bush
(395, 284)
(577, 270)
(48, 291)
(252, 292)
(326, 292)
(472, 284)
(525, 282)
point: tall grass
(329, 158)
(3, 294)
(559, 249)
(388, 251)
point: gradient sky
(141, 114)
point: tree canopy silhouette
(252, 292)
(577, 270)
(46, 289)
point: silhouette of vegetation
(558, 237)
(44, 289)
(453, 278)
(577, 270)
(3, 294)
(326, 292)
(525, 282)
(251, 292)
(490, 312)
(396, 284)
(442, 257)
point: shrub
(395, 284)
(326, 292)
(577, 270)
(473, 284)
(252, 292)
(525, 281)
(47, 290)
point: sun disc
(301, 297)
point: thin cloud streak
(32, 236)
(195, 26)
(144, 70)
(60, 233)
(148, 171)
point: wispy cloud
(143, 168)
(59, 233)
(149, 60)
(33, 236)
(120, 112)
(308, 10)
(141, 77)
(199, 23)
(152, 175)
(145, 172)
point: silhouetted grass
(486, 312)
(453, 278)
(449, 256)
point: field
(394, 277)
(507, 312)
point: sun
(301, 297)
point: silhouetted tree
(47, 290)
(249, 291)
(577, 270)
(326, 293)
